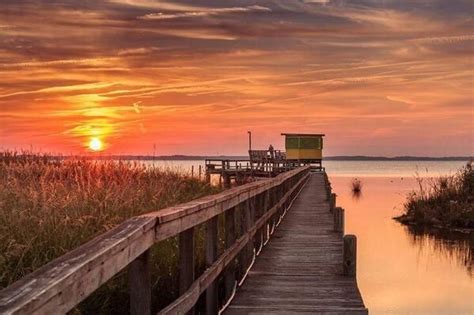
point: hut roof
(303, 134)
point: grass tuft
(356, 187)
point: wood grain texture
(300, 269)
(189, 298)
(61, 284)
(140, 285)
(186, 260)
(230, 236)
(350, 255)
(211, 256)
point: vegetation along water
(48, 207)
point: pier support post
(208, 175)
(140, 285)
(186, 261)
(211, 256)
(327, 186)
(226, 180)
(350, 255)
(338, 215)
(332, 202)
(239, 178)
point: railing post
(247, 251)
(350, 255)
(272, 221)
(280, 194)
(258, 210)
(286, 189)
(211, 256)
(229, 278)
(338, 214)
(208, 174)
(140, 285)
(186, 261)
(251, 214)
(266, 206)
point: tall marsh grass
(49, 206)
(447, 201)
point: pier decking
(300, 269)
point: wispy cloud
(187, 75)
(201, 12)
(444, 39)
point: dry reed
(49, 206)
(446, 201)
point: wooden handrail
(182, 304)
(60, 285)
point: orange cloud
(390, 78)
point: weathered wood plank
(186, 260)
(338, 214)
(140, 285)
(230, 236)
(61, 284)
(211, 256)
(300, 269)
(189, 298)
(350, 255)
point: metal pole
(250, 140)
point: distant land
(329, 158)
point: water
(353, 168)
(400, 270)
(391, 168)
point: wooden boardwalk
(300, 269)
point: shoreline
(405, 220)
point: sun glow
(95, 144)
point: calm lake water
(400, 271)
(355, 168)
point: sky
(378, 77)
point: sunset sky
(386, 77)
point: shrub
(446, 201)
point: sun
(95, 144)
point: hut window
(310, 143)
(292, 143)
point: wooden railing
(255, 208)
(219, 164)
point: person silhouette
(272, 151)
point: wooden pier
(301, 267)
(260, 164)
(284, 253)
